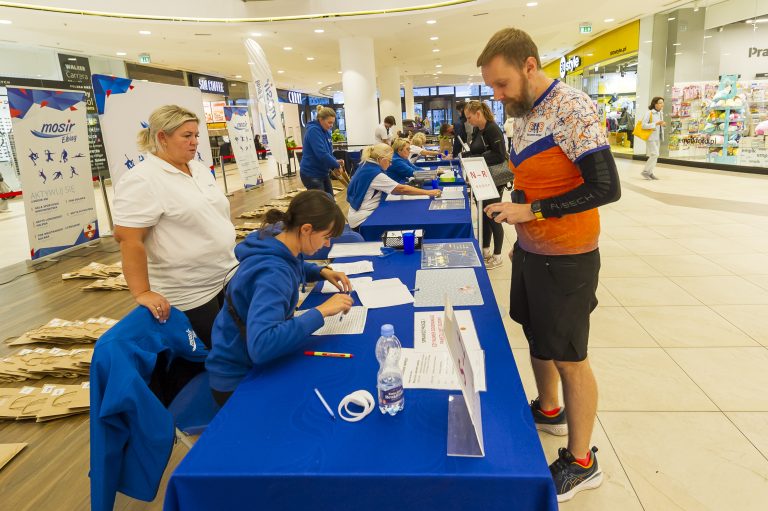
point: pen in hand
(341, 316)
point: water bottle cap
(387, 330)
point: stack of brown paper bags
(63, 332)
(95, 271)
(109, 284)
(256, 213)
(8, 452)
(246, 228)
(34, 364)
(44, 403)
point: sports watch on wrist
(536, 210)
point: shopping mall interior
(105, 238)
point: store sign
(618, 51)
(208, 84)
(569, 65)
(294, 97)
(144, 58)
(757, 52)
(585, 28)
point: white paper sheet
(353, 268)
(435, 370)
(391, 197)
(357, 283)
(451, 192)
(384, 293)
(353, 322)
(364, 248)
(428, 331)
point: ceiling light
(436, 50)
(707, 37)
(310, 58)
(434, 38)
(121, 54)
(338, 72)
(439, 72)
(438, 65)
(319, 31)
(648, 41)
(608, 20)
(145, 32)
(72, 59)
(238, 76)
(233, 85)
(280, 71)
(532, 4)
(671, 18)
(5, 22)
(287, 48)
(431, 22)
(250, 63)
(677, 44)
(679, 53)
(319, 83)
(255, 34)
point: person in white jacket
(653, 120)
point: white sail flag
(266, 96)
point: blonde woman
(370, 182)
(173, 224)
(401, 168)
(317, 158)
(417, 147)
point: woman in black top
(488, 142)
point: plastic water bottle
(390, 378)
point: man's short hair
(513, 44)
(390, 120)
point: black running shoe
(570, 478)
(553, 425)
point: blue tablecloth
(273, 446)
(415, 214)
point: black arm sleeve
(496, 149)
(601, 186)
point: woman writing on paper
(176, 238)
(401, 169)
(653, 120)
(370, 182)
(257, 323)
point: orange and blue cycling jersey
(548, 142)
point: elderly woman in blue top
(257, 323)
(401, 168)
(317, 158)
(370, 182)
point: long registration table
(415, 214)
(274, 447)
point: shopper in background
(401, 168)
(385, 132)
(370, 182)
(460, 130)
(317, 160)
(488, 142)
(446, 138)
(258, 324)
(176, 238)
(564, 170)
(653, 120)
(418, 141)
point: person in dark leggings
(488, 142)
(317, 158)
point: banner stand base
(55, 256)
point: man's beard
(519, 108)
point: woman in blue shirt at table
(370, 182)
(401, 169)
(257, 323)
(317, 159)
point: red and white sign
(479, 178)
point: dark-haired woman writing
(257, 323)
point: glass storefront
(715, 82)
(438, 104)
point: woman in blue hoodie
(401, 168)
(370, 182)
(317, 158)
(257, 323)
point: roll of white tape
(361, 398)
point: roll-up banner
(124, 106)
(266, 97)
(51, 134)
(243, 147)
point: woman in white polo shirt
(173, 224)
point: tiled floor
(678, 344)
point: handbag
(501, 174)
(640, 132)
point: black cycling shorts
(552, 298)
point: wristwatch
(536, 210)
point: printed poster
(243, 146)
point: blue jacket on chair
(132, 433)
(401, 169)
